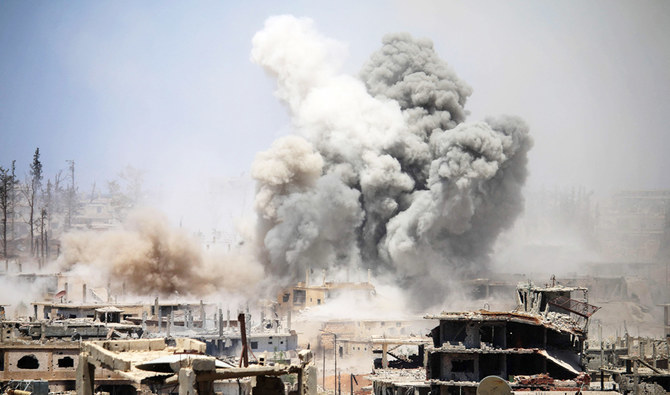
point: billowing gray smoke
(384, 173)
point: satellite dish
(493, 385)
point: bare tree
(6, 184)
(44, 241)
(11, 212)
(117, 202)
(71, 203)
(57, 198)
(45, 218)
(133, 178)
(126, 191)
(29, 190)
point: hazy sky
(168, 87)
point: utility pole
(602, 357)
(335, 349)
(244, 358)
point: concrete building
(539, 345)
(49, 310)
(306, 295)
(356, 338)
(54, 362)
(97, 213)
(163, 368)
(634, 226)
(467, 347)
(278, 345)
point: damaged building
(360, 338)
(93, 363)
(305, 294)
(49, 365)
(467, 347)
(630, 363)
(181, 365)
(44, 349)
(539, 345)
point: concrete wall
(359, 330)
(451, 362)
(356, 349)
(60, 358)
(60, 378)
(233, 387)
(273, 342)
(383, 388)
(12, 359)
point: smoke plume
(384, 172)
(150, 257)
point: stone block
(157, 344)
(203, 364)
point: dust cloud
(148, 256)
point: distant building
(634, 226)
(97, 213)
(280, 345)
(304, 295)
(356, 338)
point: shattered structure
(539, 345)
(161, 366)
(53, 363)
(470, 346)
(305, 295)
(50, 357)
(362, 337)
(43, 352)
(634, 226)
(630, 363)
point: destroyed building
(543, 338)
(44, 348)
(53, 363)
(279, 345)
(630, 363)
(164, 366)
(305, 295)
(358, 338)
(44, 356)
(633, 226)
(470, 346)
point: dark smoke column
(402, 184)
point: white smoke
(386, 174)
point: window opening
(28, 362)
(66, 362)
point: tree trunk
(4, 234)
(32, 232)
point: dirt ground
(345, 384)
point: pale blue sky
(168, 87)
